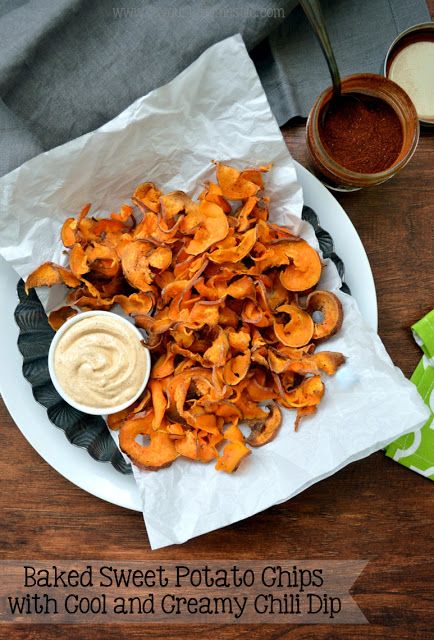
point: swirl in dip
(100, 361)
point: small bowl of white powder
(410, 63)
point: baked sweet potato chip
(149, 195)
(116, 420)
(297, 329)
(78, 261)
(305, 269)
(49, 274)
(237, 253)
(69, 232)
(135, 258)
(228, 303)
(266, 430)
(212, 228)
(59, 316)
(188, 445)
(235, 185)
(329, 309)
(213, 193)
(233, 454)
(158, 453)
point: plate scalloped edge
(101, 480)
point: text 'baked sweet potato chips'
(229, 306)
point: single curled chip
(233, 454)
(304, 271)
(49, 274)
(326, 311)
(266, 430)
(297, 329)
(59, 316)
(235, 185)
(156, 452)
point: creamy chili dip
(100, 362)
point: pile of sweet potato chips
(230, 309)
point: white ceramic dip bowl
(123, 326)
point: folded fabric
(416, 450)
(69, 66)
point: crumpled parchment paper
(215, 109)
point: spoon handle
(312, 9)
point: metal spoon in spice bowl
(362, 130)
(312, 9)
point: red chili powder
(361, 133)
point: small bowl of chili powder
(365, 136)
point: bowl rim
(421, 26)
(95, 411)
(330, 163)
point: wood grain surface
(373, 509)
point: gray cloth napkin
(68, 66)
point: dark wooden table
(373, 509)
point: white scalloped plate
(75, 464)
